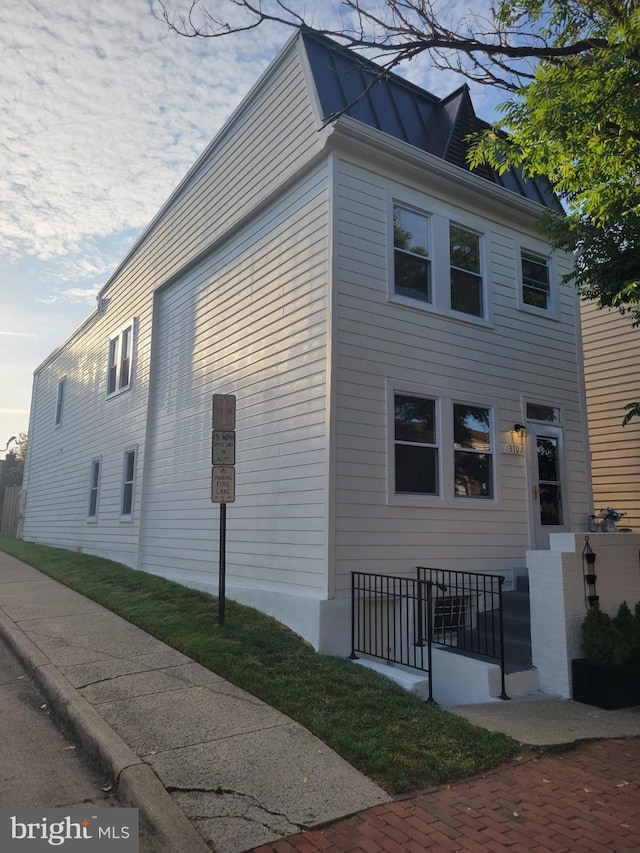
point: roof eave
(352, 134)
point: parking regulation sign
(223, 484)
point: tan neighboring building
(612, 375)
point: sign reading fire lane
(223, 484)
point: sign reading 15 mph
(223, 447)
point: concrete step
(413, 681)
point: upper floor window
(437, 263)
(411, 261)
(466, 277)
(57, 420)
(536, 286)
(120, 360)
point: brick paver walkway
(582, 801)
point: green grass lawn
(390, 735)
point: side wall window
(57, 420)
(120, 360)
(94, 487)
(128, 478)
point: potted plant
(610, 517)
(609, 674)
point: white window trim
(552, 311)
(131, 449)
(440, 216)
(117, 336)
(92, 519)
(60, 395)
(444, 400)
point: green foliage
(611, 641)
(387, 733)
(13, 468)
(577, 122)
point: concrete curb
(135, 782)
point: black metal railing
(391, 620)
(467, 613)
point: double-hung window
(94, 486)
(416, 446)
(466, 276)
(442, 448)
(128, 478)
(411, 260)
(438, 264)
(120, 360)
(536, 285)
(472, 452)
(57, 420)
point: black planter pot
(609, 687)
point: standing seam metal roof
(348, 84)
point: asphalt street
(40, 765)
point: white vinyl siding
(385, 346)
(251, 321)
(275, 125)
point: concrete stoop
(457, 679)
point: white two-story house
(405, 359)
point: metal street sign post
(223, 476)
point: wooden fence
(10, 511)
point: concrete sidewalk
(208, 765)
(211, 766)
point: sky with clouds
(102, 111)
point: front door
(546, 466)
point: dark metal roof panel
(395, 106)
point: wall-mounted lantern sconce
(588, 572)
(520, 429)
